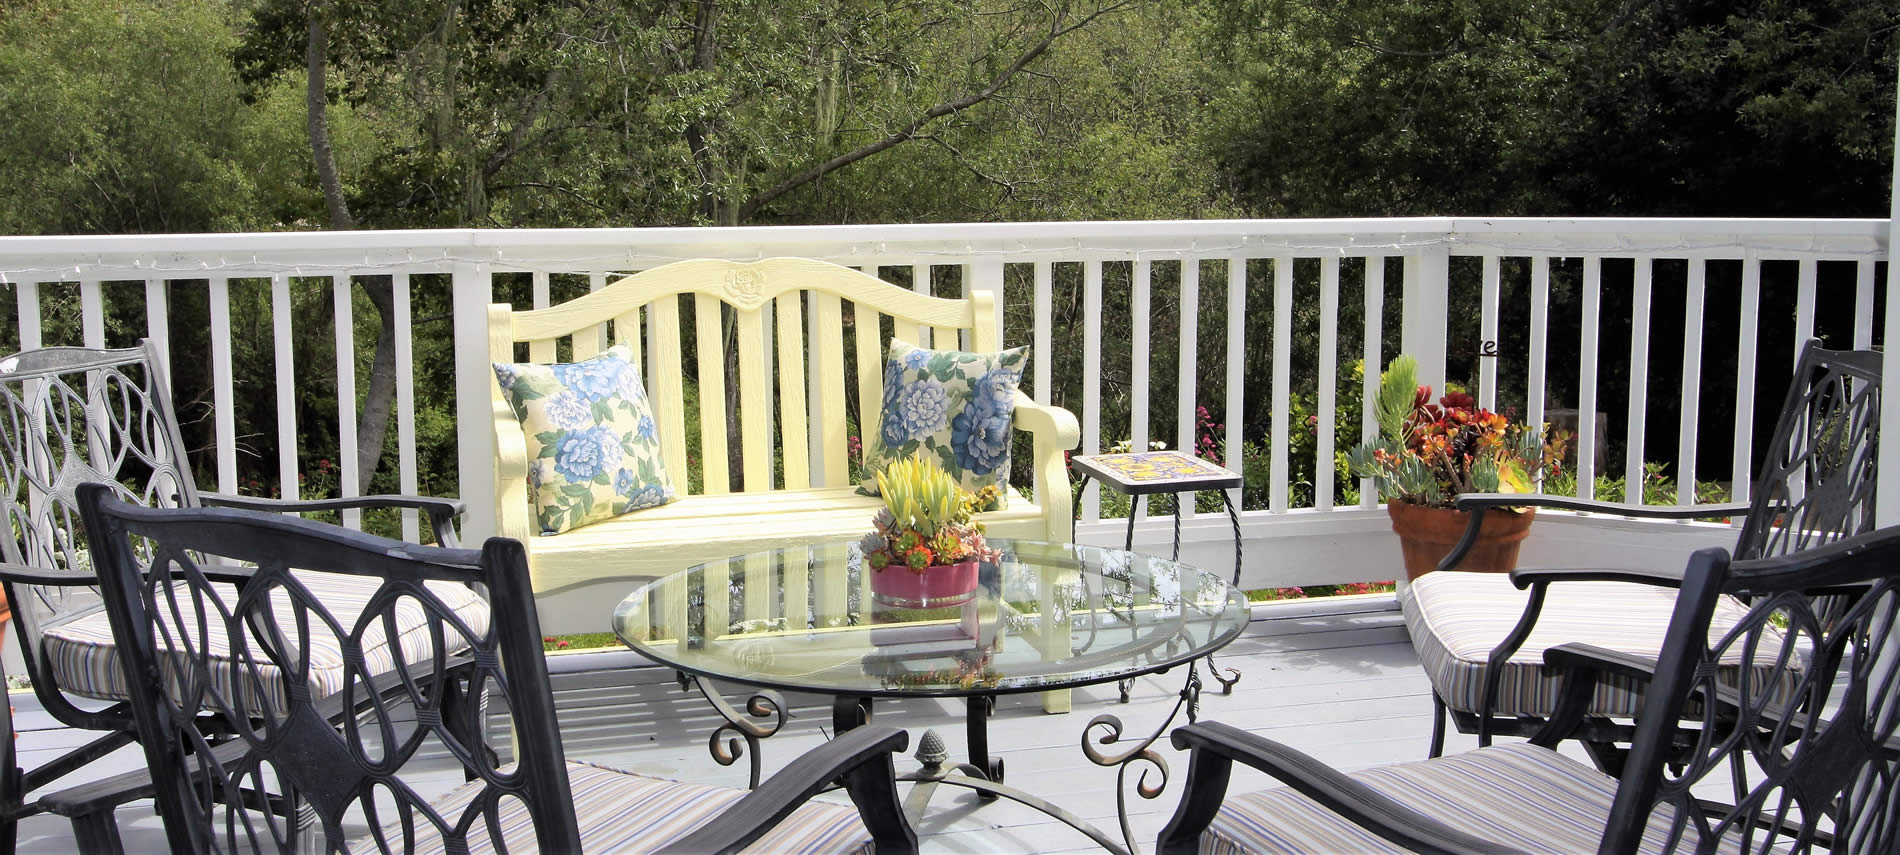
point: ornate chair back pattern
(341, 768)
(70, 416)
(1820, 764)
(1817, 483)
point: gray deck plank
(1345, 688)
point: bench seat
(644, 545)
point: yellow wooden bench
(581, 574)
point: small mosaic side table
(1144, 473)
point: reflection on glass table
(1042, 616)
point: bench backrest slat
(828, 349)
(712, 395)
(793, 436)
(870, 358)
(771, 358)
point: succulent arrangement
(1429, 453)
(927, 518)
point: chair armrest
(1351, 799)
(1525, 577)
(441, 512)
(1473, 501)
(1577, 656)
(27, 574)
(861, 757)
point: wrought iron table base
(1226, 677)
(765, 714)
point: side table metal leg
(1080, 490)
(1134, 507)
(1126, 686)
(1227, 677)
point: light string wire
(1792, 247)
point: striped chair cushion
(1517, 795)
(625, 813)
(1457, 619)
(85, 659)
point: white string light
(1791, 246)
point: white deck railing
(1439, 269)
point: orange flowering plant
(1429, 453)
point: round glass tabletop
(1041, 616)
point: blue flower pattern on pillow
(592, 438)
(954, 406)
(980, 435)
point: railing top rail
(140, 256)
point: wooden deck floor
(1341, 683)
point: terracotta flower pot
(1426, 536)
(936, 586)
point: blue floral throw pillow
(592, 449)
(952, 405)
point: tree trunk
(373, 421)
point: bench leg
(1055, 701)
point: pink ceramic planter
(937, 586)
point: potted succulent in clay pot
(1427, 454)
(926, 544)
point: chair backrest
(69, 416)
(343, 768)
(760, 309)
(1808, 739)
(1816, 484)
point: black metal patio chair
(1800, 755)
(364, 777)
(71, 416)
(1481, 636)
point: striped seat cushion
(1517, 795)
(625, 813)
(1457, 619)
(85, 659)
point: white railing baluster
(1746, 356)
(1231, 418)
(1488, 334)
(1328, 381)
(286, 381)
(158, 323)
(1692, 311)
(1140, 281)
(1641, 293)
(1282, 379)
(1587, 378)
(1863, 304)
(406, 475)
(223, 407)
(92, 314)
(1042, 351)
(1374, 366)
(1092, 379)
(26, 300)
(1534, 381)
(1186, 398)
(347, 471)
(1804, 307)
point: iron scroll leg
(849, 712)
(762, 704)
(1143, 752)
(977, 730)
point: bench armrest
(1216, 746)
(441, 512)
(860, 758)
(1055, 431)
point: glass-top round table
(1042, 616)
